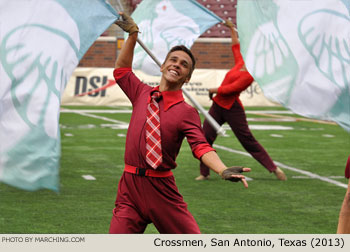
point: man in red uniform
(227, 107)
(147, 192)
(344, 215)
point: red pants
(237, 120)
(142, 200)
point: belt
(147, 172)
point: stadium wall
(210, 53)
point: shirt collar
(170, 98)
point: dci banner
(87, 79)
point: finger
(237, 176)
(121, 14)
(118, 22)
(246, 169)
(244, 181)
(124, 16)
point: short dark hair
(186, 50)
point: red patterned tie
(153, 139)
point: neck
(166, 86)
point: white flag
(299, 53)
(41, 43)
(166, 23)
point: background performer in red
(227, 107)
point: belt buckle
(141, 172)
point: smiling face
(176, 69)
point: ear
(162, 67)
(187, 79)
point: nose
(176, 65)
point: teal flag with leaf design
(41, 43)
(166, 23)
(299, 53)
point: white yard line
(279, 164)
(88, 177)
(93, 116)
(262, 127)
(309, 174)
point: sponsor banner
(87, 79)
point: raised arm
(126, 55)
(234, 36)
(237, 55)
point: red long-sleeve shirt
(234, 83)
(178, 120)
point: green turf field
(312, 154)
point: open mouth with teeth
(173, 72)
